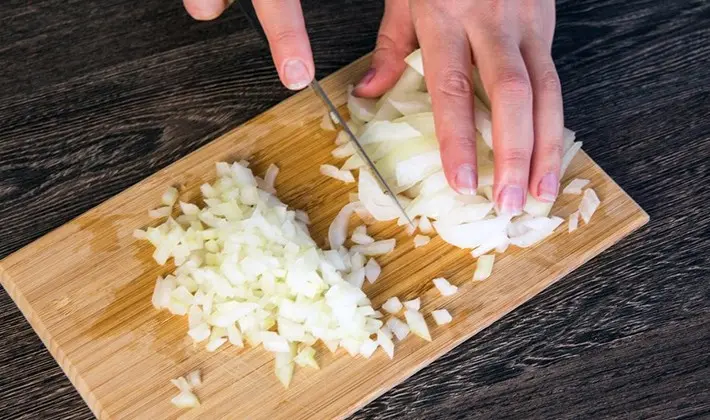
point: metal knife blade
(248, 9)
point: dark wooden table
(95, 96)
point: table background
(95, 96)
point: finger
(205, 9)
(447, 69)
(395, 40)
(548, 121)
(505, 78)
(286, 30)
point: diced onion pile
(187, 398)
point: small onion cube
(334, 172)
(181, 384)
(441, 316)
(372, 270)
(375, 248)
(305, 358)
(368, 347)
(385, 341)
(444, 287)
(484, 267)
(326, 123)
(392, 305)
(421, 240)
(398, 328)
(573, 221)
(590, 203)
(575, 186)
(425, 225)
(169, 197)
(413, 304)
(377, 315)
(185, 400)
(194, 378)
(417, 324)
(160, 212)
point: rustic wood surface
(94, 99)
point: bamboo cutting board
(86, 287)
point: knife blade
(248, 10)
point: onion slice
(444, 287)
(589, 204)
(441, 316)
(484, 267)
(575, 186)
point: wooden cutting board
(85, 288)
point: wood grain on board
(86, 286)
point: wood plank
(85, 287)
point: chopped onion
(484, 267)
(194, 379)
(425, 225)
(181, 384)
(343, 151)
(169, 197)
(569, 155)
(441, 316)
(377, 315)
(361, 108)
(338, 230)
(305, 358)
(160, 212)
(372, 270)
(444, 287)
(414, 60)
(413, 304)
(334, 172)
(417, 324)
(368, 347)
(473, 234)
(398, 328)
(376, 248)
(384, 340)
(575, 186)
(356, 277)
(589, 204)
(303, 217)
(185, 400)
(421, 240)
(270, 178)
(539, 228)
(361, 238)
(392, 305)
(573, 221)
(500, 240)
(326, 122)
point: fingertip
(547, 188)
(205, 9)
(465, 180)
(296, 74)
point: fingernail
(366, 78)
(296, 74)
(510, 200)
(548, 187)
(466, 179)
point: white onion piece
(472, 235)
(573, 221)
(441, 316)
(182, 384)
(376, 248)
(544, 227)
(392, 305)
(377, 203)
(372, 270)
(338, 230)
(444, 287)
(169, 197)
(326, 123)
(468, 213)
(283, 366)
(398, 328)
(342, 138)
(569, 155)
(306, 358)
(270, 177)
(194, 378)
(361, 108)
(575, 186)
(377, 315)
(303, 217)
(421, 240)
(417, 324)
(356, 278)
(380, 131)
(425, 225)
(434, 183)
(368, 347)
(535, 207)
(413, 304)
(344, 150)
(414, 60)
(408, 103)
(185, 400)
(160, 212)
(385, 341)
(484, 267)
(353, 162)
(500, 240)
(416, 168)
(588, 205)
(362, 239)
(334, 172)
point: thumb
(205, 9)
(395, 40)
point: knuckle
(513, 87)
(287, 36)
(549, 81)
(455, 83)
(517, 157)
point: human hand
(510, 41)
(285, 29)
